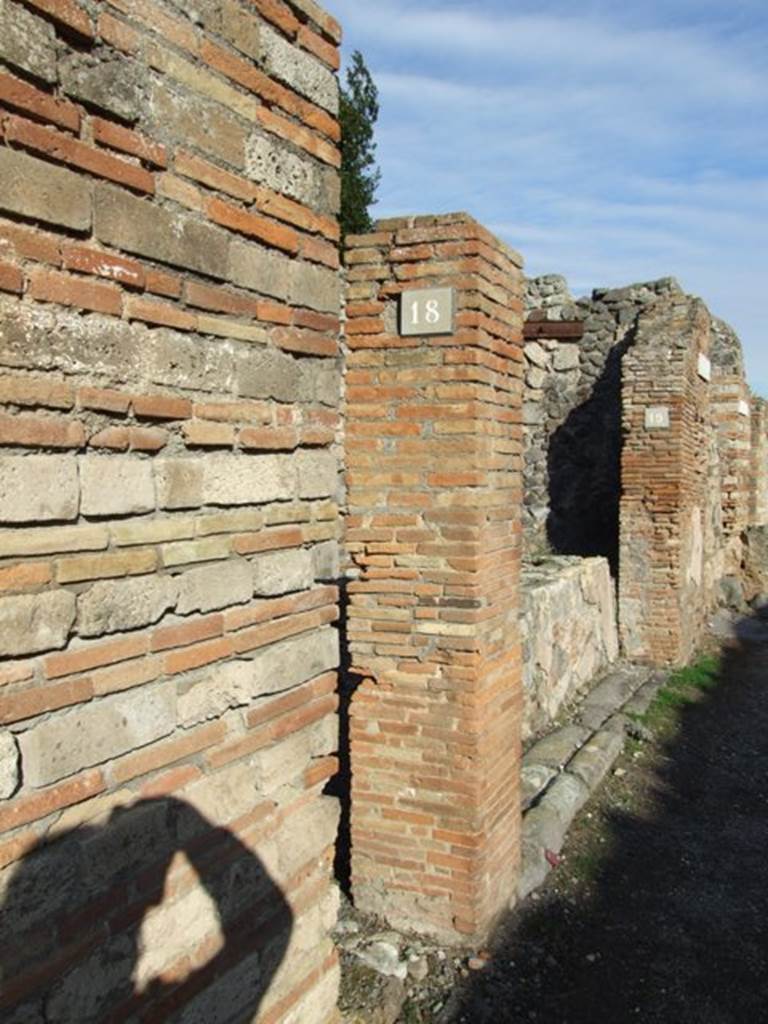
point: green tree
(358, 113)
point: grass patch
(684, 686)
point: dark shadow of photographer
(108, 924)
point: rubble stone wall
(569, 631)
(168, 519)
(434, 491)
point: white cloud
(609, 145)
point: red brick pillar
(434, 477)
(759, 476)
(663, 599)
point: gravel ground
(657, 911)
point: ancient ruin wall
(168, 525)
(663, 599)
(434, 490)
(758, 513)
(572, 412)
(569, 632)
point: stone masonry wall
(572, 412)
(759, 465)
(169, 385)
(569, 631)
(434, 491)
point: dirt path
(659, 910)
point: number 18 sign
(427, 311)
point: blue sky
(610, 143)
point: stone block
(9, 765)
(116, 485)
(558, 748)
(28, 43)
(179, 483)
(237, 26)
(261, 270)
(216, 690)
(194, 121)
(174, 928)
(325, 560)
(214, 586)
(225, 795)
(268, 373)
(281, 764)
(299, 69)
(316, 287)
(592, 763)
(323, 380)
(273, 164)
(43, 191)
(112, 85)
(96, 732)
(247, 479)
(291, 662)
(304, 836)
(138, 226)
(115, 605)
(38, 488)
(280, 572)
(35, 622)
(566, 357)
(317, 473)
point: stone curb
(562, 770)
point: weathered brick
(36, 189)
(41, 432)
(118, 137)
(27, 42)
(106, 565)
(152, 531)
(101, 730)
(137, 226)
(104, 264)
(204, 434)
(216, 586)
(114, 606)
(116, 485)
(23, 96)
(209, 549)
(39, 699)
(34, 806)
(15, 579)
(43, 391)
(35, 488)
(68, 290)
(280, 572)
(35, 622)
(52, 539)
(64, 148)
(68, 13)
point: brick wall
(758, 512)
(433, 451)
(662, 597)
(168, 522)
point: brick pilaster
(434, 488)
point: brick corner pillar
(758, 511)
(664, 530)
(434, 489)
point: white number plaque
(427, 311)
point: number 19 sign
(427, 311)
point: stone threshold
(562, 770)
